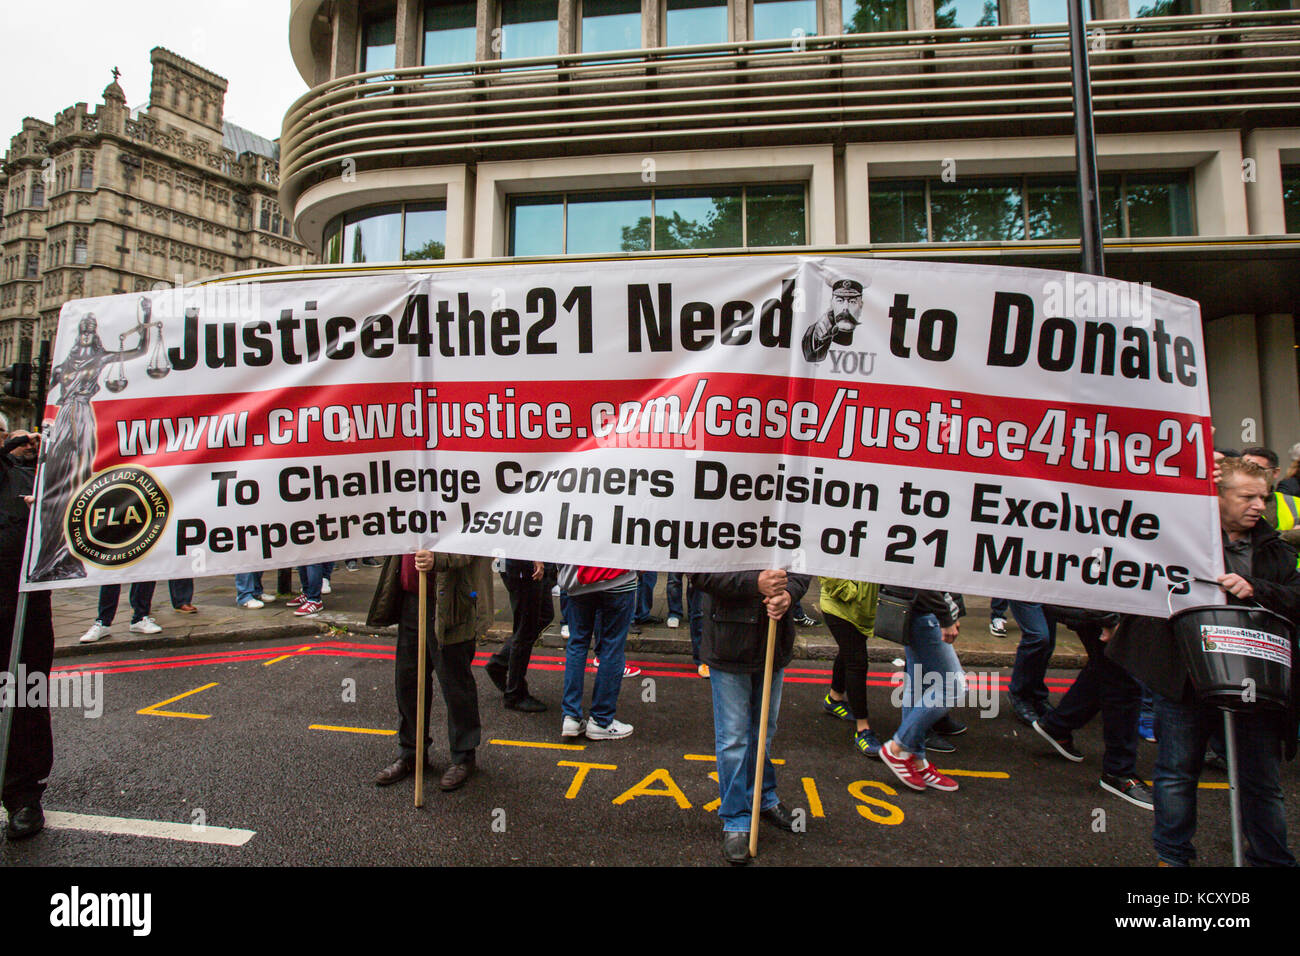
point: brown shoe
(187, 609)
(399, 769)
(456, 776)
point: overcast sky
(60, 52)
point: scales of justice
(159, 365)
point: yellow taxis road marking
(814, 799)
(153, 710)
(285, 657)
(712, 759)
(353, 730)
(534, 743)
(581, 775)
(987, 774)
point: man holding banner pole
(452, 618)
(28, 743)
(737, 607)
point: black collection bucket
(1224, 646)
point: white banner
(1009, 432)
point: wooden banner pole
(762, 736)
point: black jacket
(1147, 649)
(16, 480)
(735, 622)
(947, 606)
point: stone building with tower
(112, 199)
(913, 129)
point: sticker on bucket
(1218, 639)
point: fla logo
(116, 517)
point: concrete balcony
(1153, 74)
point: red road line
(539, 662)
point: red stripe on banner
(919, 427)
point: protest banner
(1014, 432)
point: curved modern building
(475, 129)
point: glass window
(79, 252)
(38, 194)
(897, 211)
(1056, 11)
(529, 28)
(609, 222)
(774, 216)
(333, 251)
(1291, 197)
(1053, 208)
(1158, 204)
(965, 13)
(87, 177)
(611, 25)
(781, 19)
(33, 265)
(373, 235)
(695, 21)
(990, 210)
(425, 235)
(537, 226)
(873, 16)
(379, 40)
(1165, 8)
(698, 219)
(449, 32)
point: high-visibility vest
(1288, 510)
(1288, 514)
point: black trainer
(1129, 788)
(948, 726)
(939, 745)
(1062, 745)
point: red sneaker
(296, 601)
(937, 781)
(905, 768)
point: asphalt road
(259, 762)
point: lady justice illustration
(71, 445)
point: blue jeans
(141, 597)
(604, 617)
(181, 591)
(695, 606)
(645, 594)
(1181, 733)
(737, 707)
(1037, 641)
(309, 579)
(998, 608)
(247, 587)
(941, 683)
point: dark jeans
(454, 666)
(533, 610)
(850, 668)
(1102, 686)
(694, 606)
(1181, 733)
(31, 742)
(141, 596)
(645, 595)
(998, 608)
(1037, 641)
(181, 591)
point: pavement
(218, 620)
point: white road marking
(161, 829)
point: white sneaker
(266, 598)
(96, 631)
(564, 631)
(252, 604)
(614, 731)
(146, 625)
(674, 622)
(573, 727)
(324, 585)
